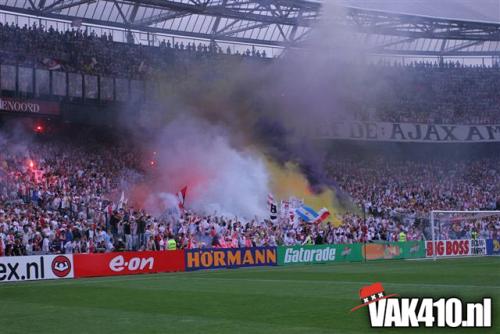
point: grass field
(295, 299)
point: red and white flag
(181, 197)
(270, 199)
(323, 214)
(273, 208)
(122, 201)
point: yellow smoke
(287, 181)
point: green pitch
(295, 299)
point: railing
(16, 80)
(129, 36)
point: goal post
(455, 233)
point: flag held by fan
(309, 215)
(181, 198)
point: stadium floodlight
(449, 225)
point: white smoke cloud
(220, 177)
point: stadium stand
(249, 166)
(422, 92)
(57, 196)
(60, 196)
(84, 52)
(430, 93)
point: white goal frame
(434, 253)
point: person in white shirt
(68, 247)
(162, 243)
(45, 245)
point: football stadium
(249, 166)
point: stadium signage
(29, 106)
(448, 248)
(128, 263)
(31, 268)
(230, 258)
(319, 254)
(136, 263)
(478, 247)
(411, 132)
(310, 255)
(493, 246)
(394, 250)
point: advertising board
(36, 267)
(319, 254)
(216, 258)
(128, 263)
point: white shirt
(45, 244)
(68, 247)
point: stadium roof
(443, 28)
(261, 22)
(408, 34)
(467, 10)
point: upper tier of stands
(415, 92)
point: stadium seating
(59, 196)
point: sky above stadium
(474, 10)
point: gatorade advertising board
(319, 254)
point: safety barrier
(230, 258)
(36, 267)
(128, 263)
(43, 267)
(450, 248)
(493, 247)
(394, 250)
(319, 254)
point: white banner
(410, 132)
(478, 247)
(36, 267)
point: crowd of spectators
(424, 92)
(86, 52)
(64, 198)
(406, 190)
(429, 93)
(393, 187)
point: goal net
(460, 233)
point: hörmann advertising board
(218, 258)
